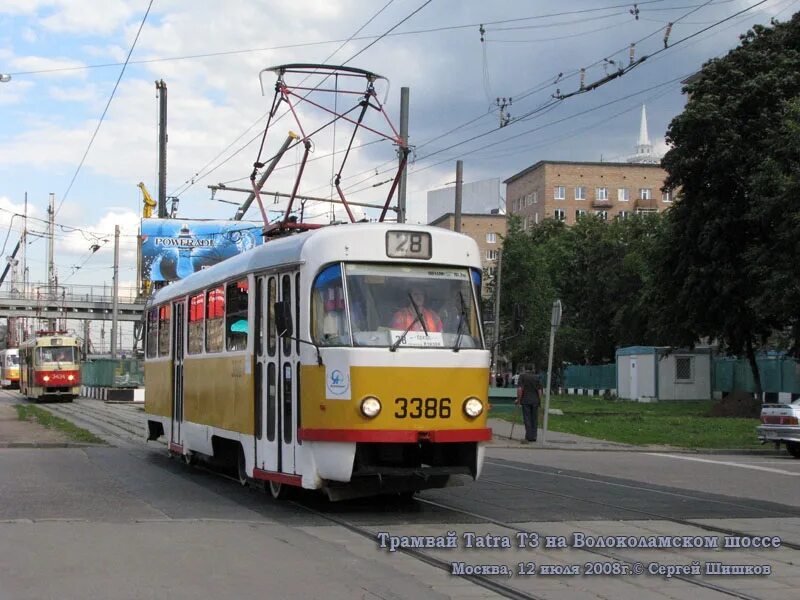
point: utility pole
(496, 344)
(401, 187)
(162, 148)
(24, 259)
(51, 267)
(115, 292)
(459, 184)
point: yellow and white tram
(9, 368)
(50, 367)
(298, 362)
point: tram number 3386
(418, 408)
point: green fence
(778, 374)
(118, 373)
(593, 377)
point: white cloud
(85, 17)
(40, 63)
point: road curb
(49, 445)
(511, 444)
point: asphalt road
(126, 521)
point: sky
(66, 56)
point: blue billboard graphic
(175, 248)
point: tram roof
(320, 245)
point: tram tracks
(645, 513)
(123, 428)
(610, 555)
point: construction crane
(149, 203)
(147, 212)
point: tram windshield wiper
(419, 318)
(462, 317)
(419, 314)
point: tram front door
(276, 369)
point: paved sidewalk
(510, 435)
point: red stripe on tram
(399, 436)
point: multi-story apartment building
(486, 229)
(565, 191)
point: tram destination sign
(408, 244)
(175, 248)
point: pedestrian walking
(529, 396)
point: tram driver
(407, 315)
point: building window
(491, 255)
(535, 197)
(560, 214)
(644, 193)
(491, 238)
(536, 218)
(580, 193)
(236, 317)
(215, 319)
(602, 193)
(602, 214)
(579, 214)
(528, 199)
(666, 196)
(197, 317)
(560, 192)
(525, 224)
(684, 368)
(624, 214)
(642, 211)
(623, 195)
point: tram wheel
(241, 467)
(280, 491)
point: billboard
(175, 248)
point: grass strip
(684, 424)
(29, 412)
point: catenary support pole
(401, 188)
(555, 320)
(162, 148)
(459, 184)
(496, 343)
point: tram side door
(267, 366)
(288, 375)
(177, 375)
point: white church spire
(644, 139)
(644, 149)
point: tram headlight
(370, 407)
(46, 378)
(70, 377)
(473, 407)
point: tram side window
(163, 331)
(152, 333)
(197, 316)
(215, 319)
(236, 316)
(271, 335)
(328, 317)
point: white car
(780, 423)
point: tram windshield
(412, 306)
(12, 360)
(56, 354)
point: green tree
(726, 265)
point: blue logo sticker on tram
(338, 383)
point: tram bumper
(397, 481)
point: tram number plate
(422, 408)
